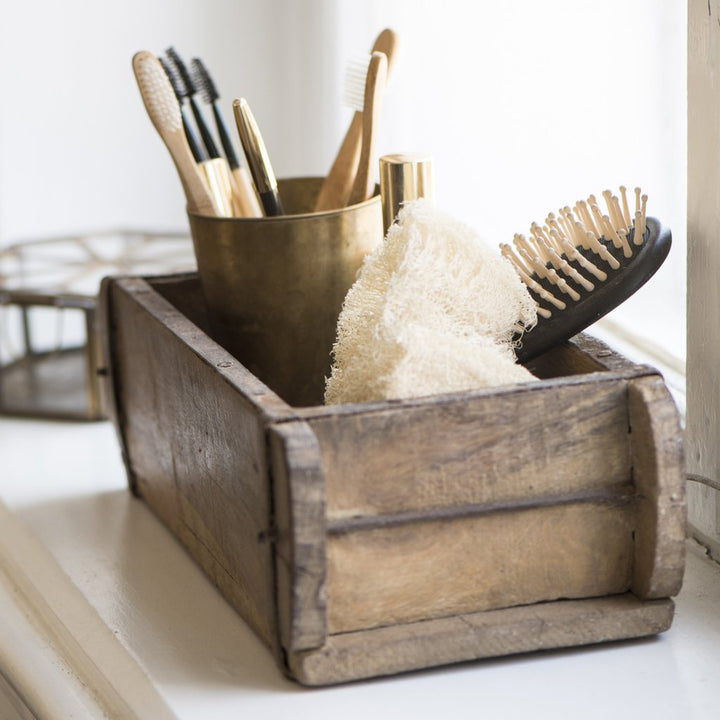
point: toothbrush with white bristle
(337, 185)
(197, 150)
(164, 111)
(368, 87)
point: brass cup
(274, 286)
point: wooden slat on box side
(299, 503)
(195, 444)
(399, 648)
(420, 570)
(478, 449)
(659, 476)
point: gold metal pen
(257, 158)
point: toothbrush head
(186, 82)
(203, 81)
(354, 82)
(157, 92)
(173, 78)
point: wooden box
(371, 539)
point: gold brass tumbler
(274, 286)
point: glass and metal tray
(49, 349)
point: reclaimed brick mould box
(372, 539)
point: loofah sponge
(434, 309)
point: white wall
(526, 106)
(530, 105)
(78, 151)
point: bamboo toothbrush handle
(219, 181)
(198, 197)
(364, 184)
(337, 186)
(245, 199)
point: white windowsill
(67, 484)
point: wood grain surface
(467, 450)
(195, 444)
(659, 476)
(421, 570)
(299, 501)
(399, 648)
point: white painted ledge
(66, 483)
(59, 659)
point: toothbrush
(189, 90)
(245, 200)
(215, 168)
(336, 187)
(375, 79)
(198, 152)
(582, 263)
(164, 111)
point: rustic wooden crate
(371, 539)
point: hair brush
(582, 263)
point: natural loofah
(434, 309)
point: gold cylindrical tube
(404, 177)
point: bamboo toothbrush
(164, 111)
(375, 79)
(336, 188)
(245, 201)
(582, 263)
(215, 168)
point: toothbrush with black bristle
(198, 152)
(215, 167)
(189, 91)
(246, 200)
